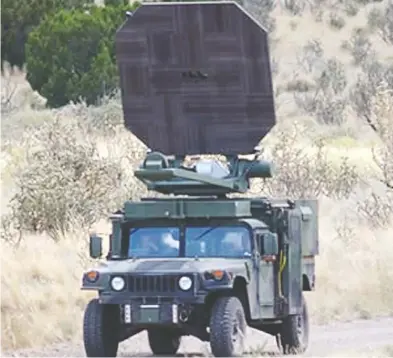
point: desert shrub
(71, 55)
(326, 101)
(19, 17)
(261, 10)
(362, 92)
(295, 7)
(374, 18)
(359, 46)
(387, 25)
(383, 123)
(351, 8)
(336, 21)
(378, 208)
(381, 20)
(299, 85)
(311, 55)
(104, 119)
(320, 9)
(305, 171)
(65, 179)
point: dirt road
(334, 339)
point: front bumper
(163, 313)
(123, 298)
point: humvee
(204, 258)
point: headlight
(185, 283)
(92, 276)
(117, 283)
(217, 275)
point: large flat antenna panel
(195, 78)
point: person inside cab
(142, 244)
(153, 243)
(170, 244)
(236, 244)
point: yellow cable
(283, 261)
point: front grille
(153, 284)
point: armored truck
(203, 258)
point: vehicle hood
(173, 265)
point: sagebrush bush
(326, 101)
(336, 21)
(381, 19)
(383, 122)
(295, 7)
(262, 11)
(359, 46)
(104, 119)
(366, 86)
(305, 170)
(311, 55)
(351, 8)
(378, 208)
(65, 180)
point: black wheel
(227, 327)
(101, 329)
(163, 341)
(293, 336)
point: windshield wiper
(134, 230)
(207, 231)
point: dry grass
(354, 271)
(386, 351)
(41, 302)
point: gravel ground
(328, 340)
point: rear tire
(163, 341)
(101, 326)
(294, 332)
(227, 327)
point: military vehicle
(202, 258)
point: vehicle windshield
(201, 241)
(217, 241)
(154, 242)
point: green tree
(71, 55)
(19, 17)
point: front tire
(227, 327)
(163, 341)
(294, 332)
(101, 329)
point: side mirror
(268, 243)
(95, 247)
